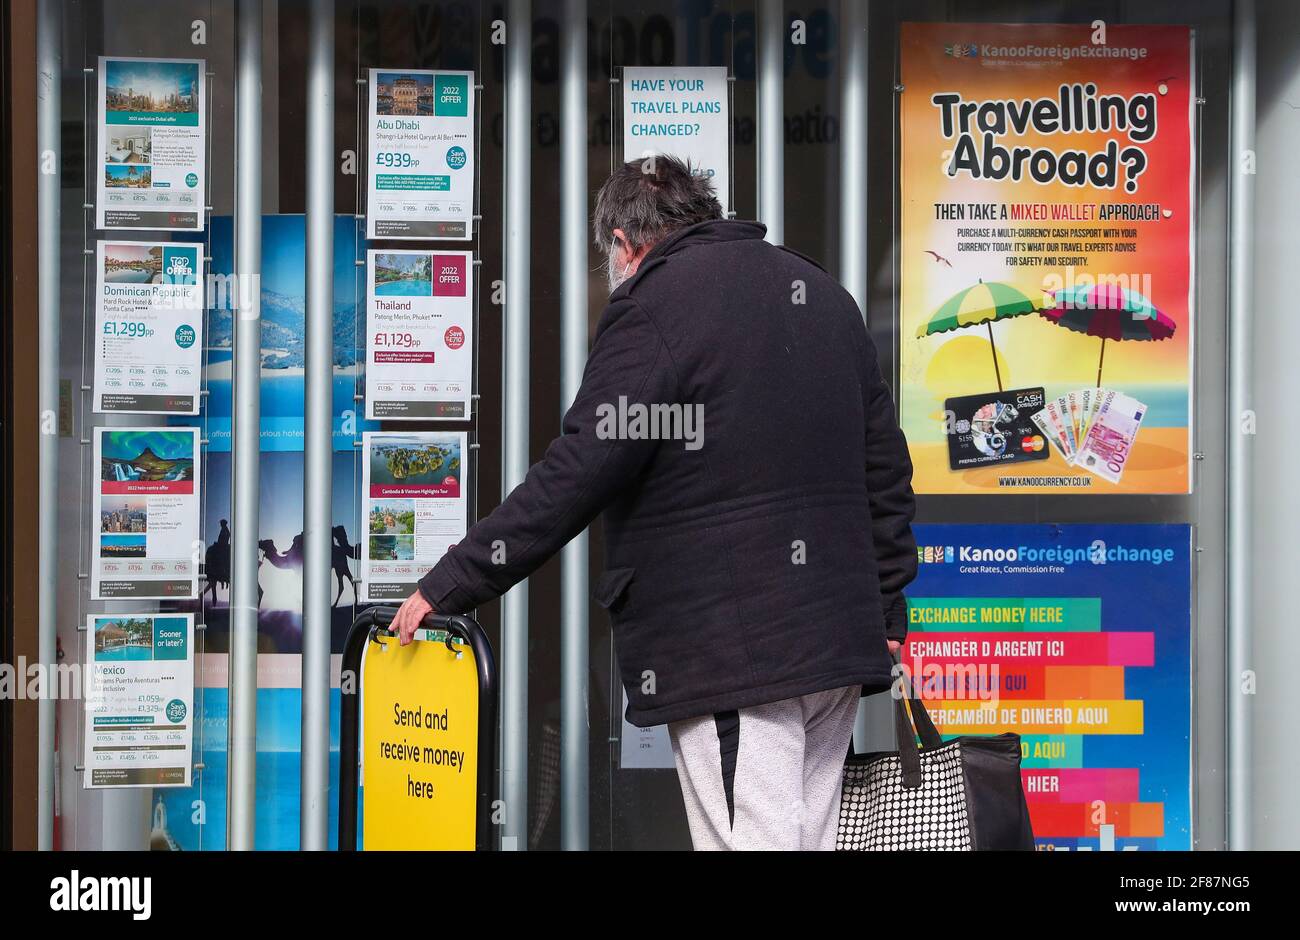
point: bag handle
(909, 755)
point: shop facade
(1066, 225)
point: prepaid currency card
(148, 324)
(420, 335)
(152, 144)
(994, 428)
(1110, 439)
(421, 177)
(414, 506)
(139, 729)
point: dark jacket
(768, 562)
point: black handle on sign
(452, 626)
(369, 622)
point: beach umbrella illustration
(1109, 311)
(984, 303)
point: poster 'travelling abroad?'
(139, 710)
(414, 507)
(421, 178)
(1077, 638)
(152, 144)
(146, 514)
(420, 335)
(681, 112)
(148, 327)
(1046, 257)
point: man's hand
(408, 617)
(894, 646)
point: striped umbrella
(1109, 311)
(980, 303)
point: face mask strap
(624, 275)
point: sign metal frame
(376, 620)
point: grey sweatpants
(766, 777)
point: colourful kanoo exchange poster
(139, 728)
(1046, 257)
(146, 514)
(421, 179)
(148, 327)
(1078, 639)
(152, 144)
(413, 508)
(420, 335)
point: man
(734, 429)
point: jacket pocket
(611, 589)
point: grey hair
(651, 198)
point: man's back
(741, 567)
(762, 561)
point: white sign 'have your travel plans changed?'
(681, 112)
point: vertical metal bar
(771, 119)
(1241, 300)
(318, 431)
(514, 403)
(874, 727)
(853, 232)
(574, 603)
(245, 443)
(853, 152)
(49, 51)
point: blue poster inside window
(283, 294)
(1078, 638)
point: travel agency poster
(1046, 257)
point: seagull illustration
(938, 257)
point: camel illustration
(216, 562)
(289, 560)
(342, 550)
